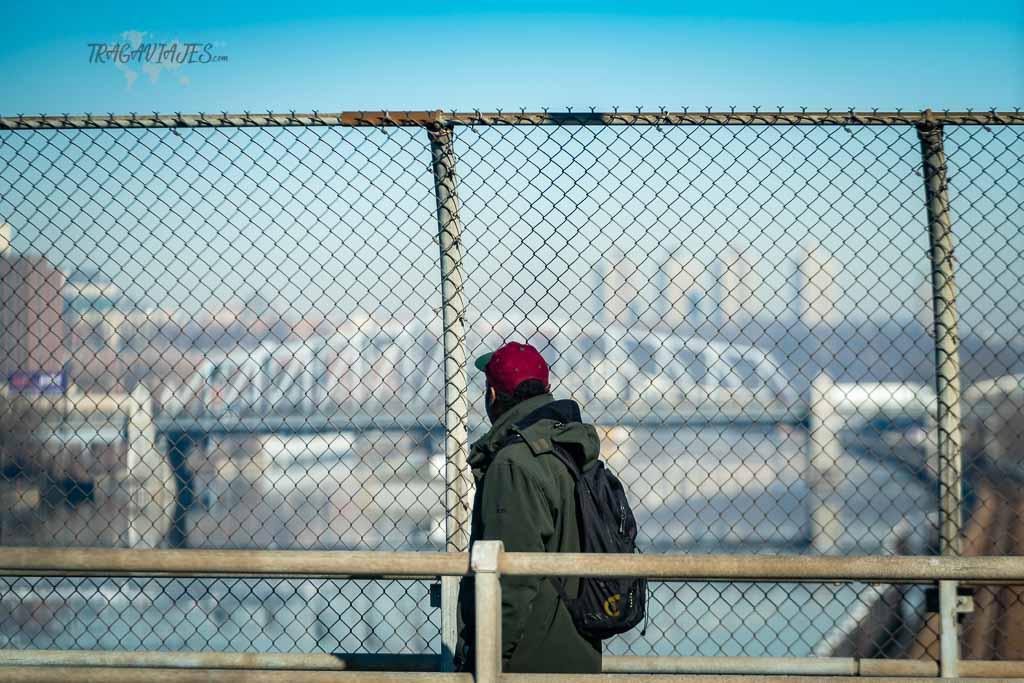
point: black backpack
(604, 606)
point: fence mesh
(221, 336)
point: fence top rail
(376, 564)
(438, 118)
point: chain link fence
(252, 332)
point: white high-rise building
(737, 284)
(815, 290)
(621, 290)
(5, 238)
(684, 295)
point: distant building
(684, 295)
(5, 238)
(88, 291)
(94, 309)
(621, 291)
(737, 287)
(815, 292)
(924, 310)
(100, 320)
(31, 329)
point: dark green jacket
(525, 498)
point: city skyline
(728, 287)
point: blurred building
(924, 311)
(620, 290)
(685, 291)
(98, 316)
(815, 291)
(31, 329)
(737, 287)
(93, 309)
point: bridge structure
(389, 378)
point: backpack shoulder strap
(568, 461)
(510, 438)
(542, 445)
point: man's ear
(492, 395)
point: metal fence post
(484, 559)
(456, 397)
(947, 379)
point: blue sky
(397, 55)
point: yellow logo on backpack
(611, 605)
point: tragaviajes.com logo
(140, 51)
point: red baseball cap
(511, 365)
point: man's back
(525, 497)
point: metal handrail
(111, 674)
(409, 565)
(486, 563)
(781, 568)
(619, 664)
(233, 563)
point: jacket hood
(539, 419)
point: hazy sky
(402, 55)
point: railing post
(949, 643)
(947, 380)
(484, 560)
(456, 397)
(822, 473)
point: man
(525, 497)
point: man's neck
(519, 411)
